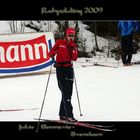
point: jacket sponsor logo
(24, 56)
(62, 46)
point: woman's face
(70, 36)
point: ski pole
(77, 94)
(44, 98)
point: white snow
(105, 93)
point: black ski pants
(65, 84)
(127, 48)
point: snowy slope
(4, 27)
(89, 38)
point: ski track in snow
(106, 94)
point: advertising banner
(25, 53)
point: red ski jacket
(64, 52)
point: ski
(82, 124)
(96, 64)
(135, 63)
(20, 109)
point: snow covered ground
(106, 94)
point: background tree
(17, 26)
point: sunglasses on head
(71, 35)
